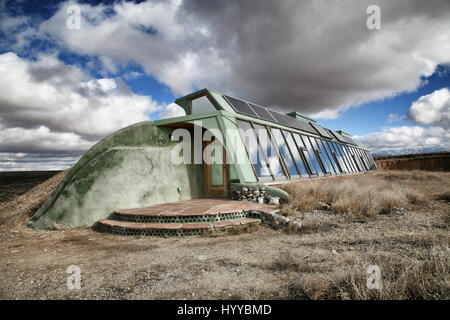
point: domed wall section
(130, 168)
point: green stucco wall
(130, 168)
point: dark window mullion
(344, 158)
(317, 152)
(349, 158)
(309, 163)
(341, 159)
(248, 155)
(321, 155)
(307, 143)
(361, 166)
(335, 156)
(367, 158)
(290, 151)
(330, 156)
(355, 160)
(292, 147)
(362, 155)
(280, 156)
(292, 155)
(262, 151)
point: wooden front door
(215, 171)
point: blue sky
(64, 89)
(374, 116)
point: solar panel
(341, 138)
(304, 126)
(338, 136)
(331, 134)
(262, 112)
(259, 112)
(350, 140)
(241, 106)
(320, 130)
(279, 117)
(292, 121)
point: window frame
(258, 178)
(341, 157)
(292, 176)
(299, 152)
(303, 150)
(213, 103)
(271, 141)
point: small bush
(285, 262)
(417, 198)
(444, 196)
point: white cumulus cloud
(49, 108)
(64, 99)
(432, 109)
(172, 110)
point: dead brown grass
(445, 196)
(363, 196)
(15, 213)
(424, 276)
(324, 204)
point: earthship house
(132, 167)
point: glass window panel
(354, 158)
(339, 156)
(314, 156)
(301, 146)
(349, 158)
(269, 151)
(331, 157)
(325, 156)
(371, 161)
(322, 155)
(284, 151)
(345, 157)
(366, 156)
(296, 154)
(216, 166)
(358, 158)
(253, 150)
(335, 157)
(364, 159)
(202, 104)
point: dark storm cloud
(313, 56)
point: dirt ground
(327, 259)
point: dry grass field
(397, 220)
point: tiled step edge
(162, 229)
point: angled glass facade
(281, 154)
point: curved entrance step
(178, 229)
(188, 217)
